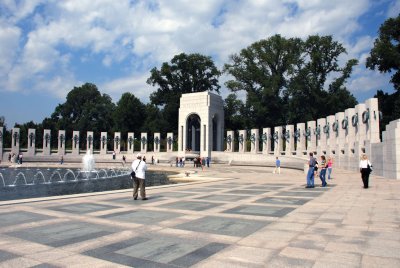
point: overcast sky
(48, 47)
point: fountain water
(88, 162)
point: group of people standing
(14, 158)
(325, 167)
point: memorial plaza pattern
(230, 216)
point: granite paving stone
(142, 216)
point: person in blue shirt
(310, 174)
(277, 166)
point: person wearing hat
(139, 167)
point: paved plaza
(230, 216)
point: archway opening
(215, 133)
(193, 133)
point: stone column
(182, 138)
(75, 143)
(46, 142)
(266, 140)
(255, 141)
(89, 141)
(340, 141)
(277, 136)
(300, 139)
(61, 142)
(319, 135)
(170, 142)
(117, 142)
(242, 141)
(349, 162)
(289, 139)
(230, 141)
(331, 135)
(131, 143)
(311, 138)
(1, 142)
(391, 149)
(103, 143)
(143, 142)
(156, 144)
(31, 141)
(361, 128)
(15, 136)
(373, 120)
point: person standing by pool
(277, 166)
(139, 167)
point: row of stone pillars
(76, 141)
(346, 132)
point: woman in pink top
(329, 165)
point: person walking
(365, 169)
(208, 161)
(139, 167)
(329, 165)
(310, 174)
(322, 174)
(113, 155)
(277, 166)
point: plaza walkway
(229, 217)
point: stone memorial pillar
(300, 139)
(15, 136)
(277, 136)
(289, 139)
(340, 130)
(1, 142)
(230, 141)
(266, 140)
(103, 143)
(117, 142)
(319, 135)
(131, 143)
(361, 127)
(350, 115)
(156, 144)
(143, 142)
(61, 142)
(311, 138)
(371, 117)
(31, 141)
(170, 142)
(89, 141)
(47, 142)
(75, 143)
(330, 135)
(255, 141)
(242, 141)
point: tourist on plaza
(183, 161)
(176, 161)
(20, 158)
(200, 162)
(139, 167)
(144, 158)
(310, 174)
(322, 174)
(180, 162)
(113, 154)
(123, 160)
(277, 166)
(152, 159)
(365, 169)
(329, 165)
(62, 160)
(9, 158)
(208, 161)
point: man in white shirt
(139, 167)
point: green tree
(186, 73)
(129, 114)
(85, 110)
(262, 70)
(234, 110)
(385, 55)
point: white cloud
(147, 33)
(394, 9)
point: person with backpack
(310, 174)
(138, 175)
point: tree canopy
(186, 73)
(385, 55)
(286, 80)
